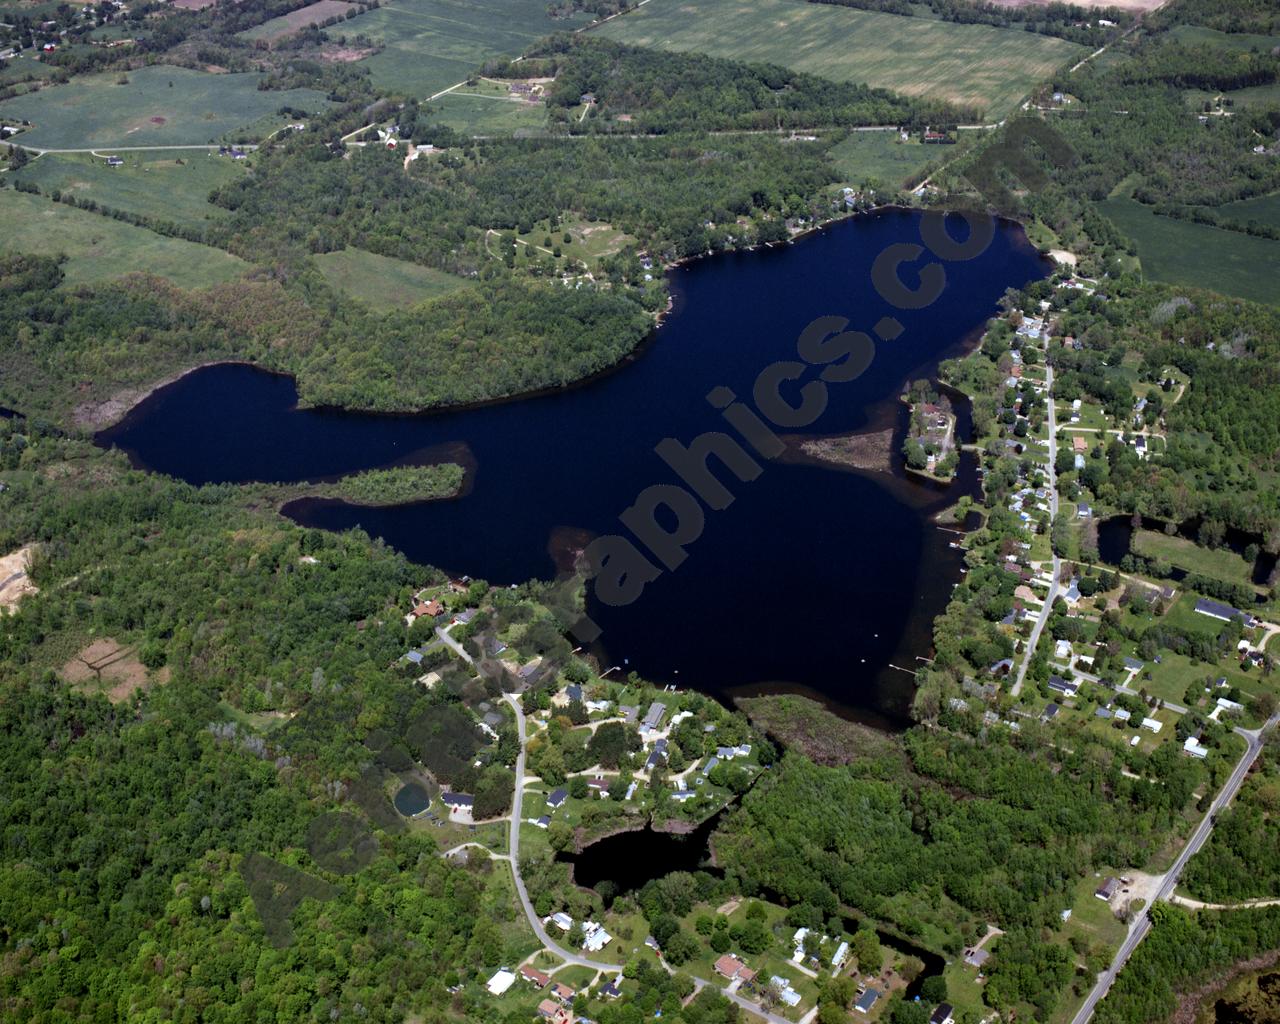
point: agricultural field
(991, 68)
(473, 112)
(1264, 209)
(295, 21)
(1182, 252)
(1198, 35)
(433, 44)
(99, 248)
(160, 106)
(880, 156)
(167, 185)
(382, 281)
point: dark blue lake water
(815, 579)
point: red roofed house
(534, 975)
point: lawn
(160, 106)
(1182, 252)
(588, 242)
(1198, 35)
(433, 44)
(881, 157)
(100, 248)
(475, 113)
(165, 185)
(383, 281)
(1222, 564)
(990, 68)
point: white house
(1152, 725)
(1194, 747)
(500, 982)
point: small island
(400, 485)
(930, 447)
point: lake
(815, 579)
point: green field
(1264, 209)
(475, 113)
(1182, 252)
(381, 281)
(169, 186)
(1222, 564)
(100, 248)
(433, 44)
(160, 106)
(991, 68)
(1198, 35)
(879, 156)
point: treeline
(399, 485)
(1066, 21)
(1181, 952)
(643, 90)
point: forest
(660, 92)
(1181, 951)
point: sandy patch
(1062, 256)
(106, 666)
(15, 584)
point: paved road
(1169, 881)
(1047, 608)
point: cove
(815, 579)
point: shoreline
(97, 418)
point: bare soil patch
(193, 5)
(15, 584)
(870, 451)
(107, 666)
(346, 54)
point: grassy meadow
(99, 248)
(473, 112)
(991, 68)
(293, 22)
(163, 184)
(433, 44)
(160, 106)
(382, 281)
(1182, 252)
(879, 156)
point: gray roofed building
(867, 1000)
(557, 797)
(653, 717)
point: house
(1062, 649)
(535, 976)
(628, 713)
(1102, 713)
(976, 957)
(114, 161)
(1230, 705)
(598, 785)
(1218, 610)
(557, 797)
(562, 992)
(561, 920)
(500, 982)
(840, 955)
(1059, 685)
(494, 646)
(458, 801)
(1050, 712)
(1195, 748)
(944, 1014)
(711, 763)
(596, 938)
(1122, 715)
(431, 609)
(653, 717)
(1107, 889)
(867, 1000)
(544, 821)
(1152, 724)
(785, 992)
(550, 1010)
(574, 692)
(1083, 510)
(1133, 664)
(1079, 444)
(729, 966)
(1002, 667)
(610, 990)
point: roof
(867, 1000)
(941, 1014)
(976, 957)
(654, 715)
(1107, 889)
(458, 800)
(557, 797)
(729, 965)
(534, 975)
